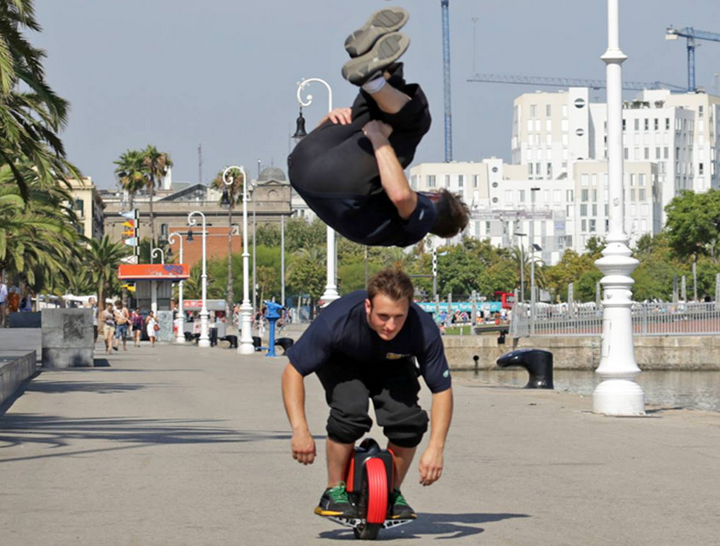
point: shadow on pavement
(59, 432)
(59, 387)
(453, 525)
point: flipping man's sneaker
(388, 49)
(336, 502)
(381, 22)
(399, 508)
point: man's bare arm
(293, 390)
(431, 462)
(392, 175)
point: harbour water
(666, 389)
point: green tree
(30, 119)
(269, 235)
(307, 274)
(300, 234)
(131, 173)
(157, 164)
(102, 259)
(693, 224)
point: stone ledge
(15, 367)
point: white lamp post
(204, 340)
(245, 347)
(180, 337)
(331, 293)
(533, 297)
(155, 251)
(618, 393)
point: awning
(153, 272)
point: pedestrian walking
(122, 322)
(137, 326)
(152, 326)
(108, 319)
(3, 303)
(92, 305)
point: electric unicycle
(370, 479)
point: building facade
(88, 205)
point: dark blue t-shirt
(342, 332)
(371, 220)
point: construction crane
(570, 82)
(691, 34)
(445, 6)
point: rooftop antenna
(200, 163)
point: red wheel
(377, 501)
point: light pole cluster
(245, 346)
(180, 336)
(204, 340)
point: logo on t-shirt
(395, 356)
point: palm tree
(29, 121)
(131, 173)
(38, 236)
(103, 258)
(231, 196)
(157, 164)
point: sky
(224, 73)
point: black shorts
(393, 387)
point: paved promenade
(184, 446)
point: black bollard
(476, 358)
(501, 337)
(537, 362)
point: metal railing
(648, 319)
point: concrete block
(14, 369)
(165, 320)
(25, 320)
(67, 358)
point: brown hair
(452, 215)
(393, 283)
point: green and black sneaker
(399, 508)
(336, 502)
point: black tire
(367, 531)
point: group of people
(13, 299)
(119, 323)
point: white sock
(373, 86)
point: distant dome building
(272, 173)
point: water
(668, 389)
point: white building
(559, 145)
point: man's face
(386, 316)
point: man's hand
(343, 116)
(303, 447)
(431, 466)
(378, 132)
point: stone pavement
(187, 446)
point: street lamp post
(180, 337)
(204, 340)
(331, 293)
(245, 346)
(618, 393)
(160, 251)
(533, 297)
(522, 266)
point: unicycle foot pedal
(354, 523)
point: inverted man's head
(452, 214)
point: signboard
(212, 305)
(508, 215)
(153, 272)
(491, 306)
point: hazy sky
(224, 73)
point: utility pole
(200, 177)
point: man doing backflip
(350, 169)
(364, 346)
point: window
(565, 126)
(584, 225)
(593, 179)
(646, 124)
(548, 139)
(530, 169)
(592, 225)
(533, 110)
(548, 110)
(549, 170)
(666, 152)
(647, 153)
(430, 179)
(521, 196)
(447, 181)
(624, 124)
(80, 206)
(564, 110)
(667, 124)
(657, 124)
(657, 153)
(163, 231)
(636, 157)
(476, 180)
(641, 179)
(569, 196)
(413, 182)
(584, 196)
(461, 180)
(548, 124)
(537, 125)
(642, 194)
(529, 125)
(637, 124)
(584, 180)
(701, 111)
(594, 210)
(701, 168)
(579, 103)
(583, 210)
(625, 153)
